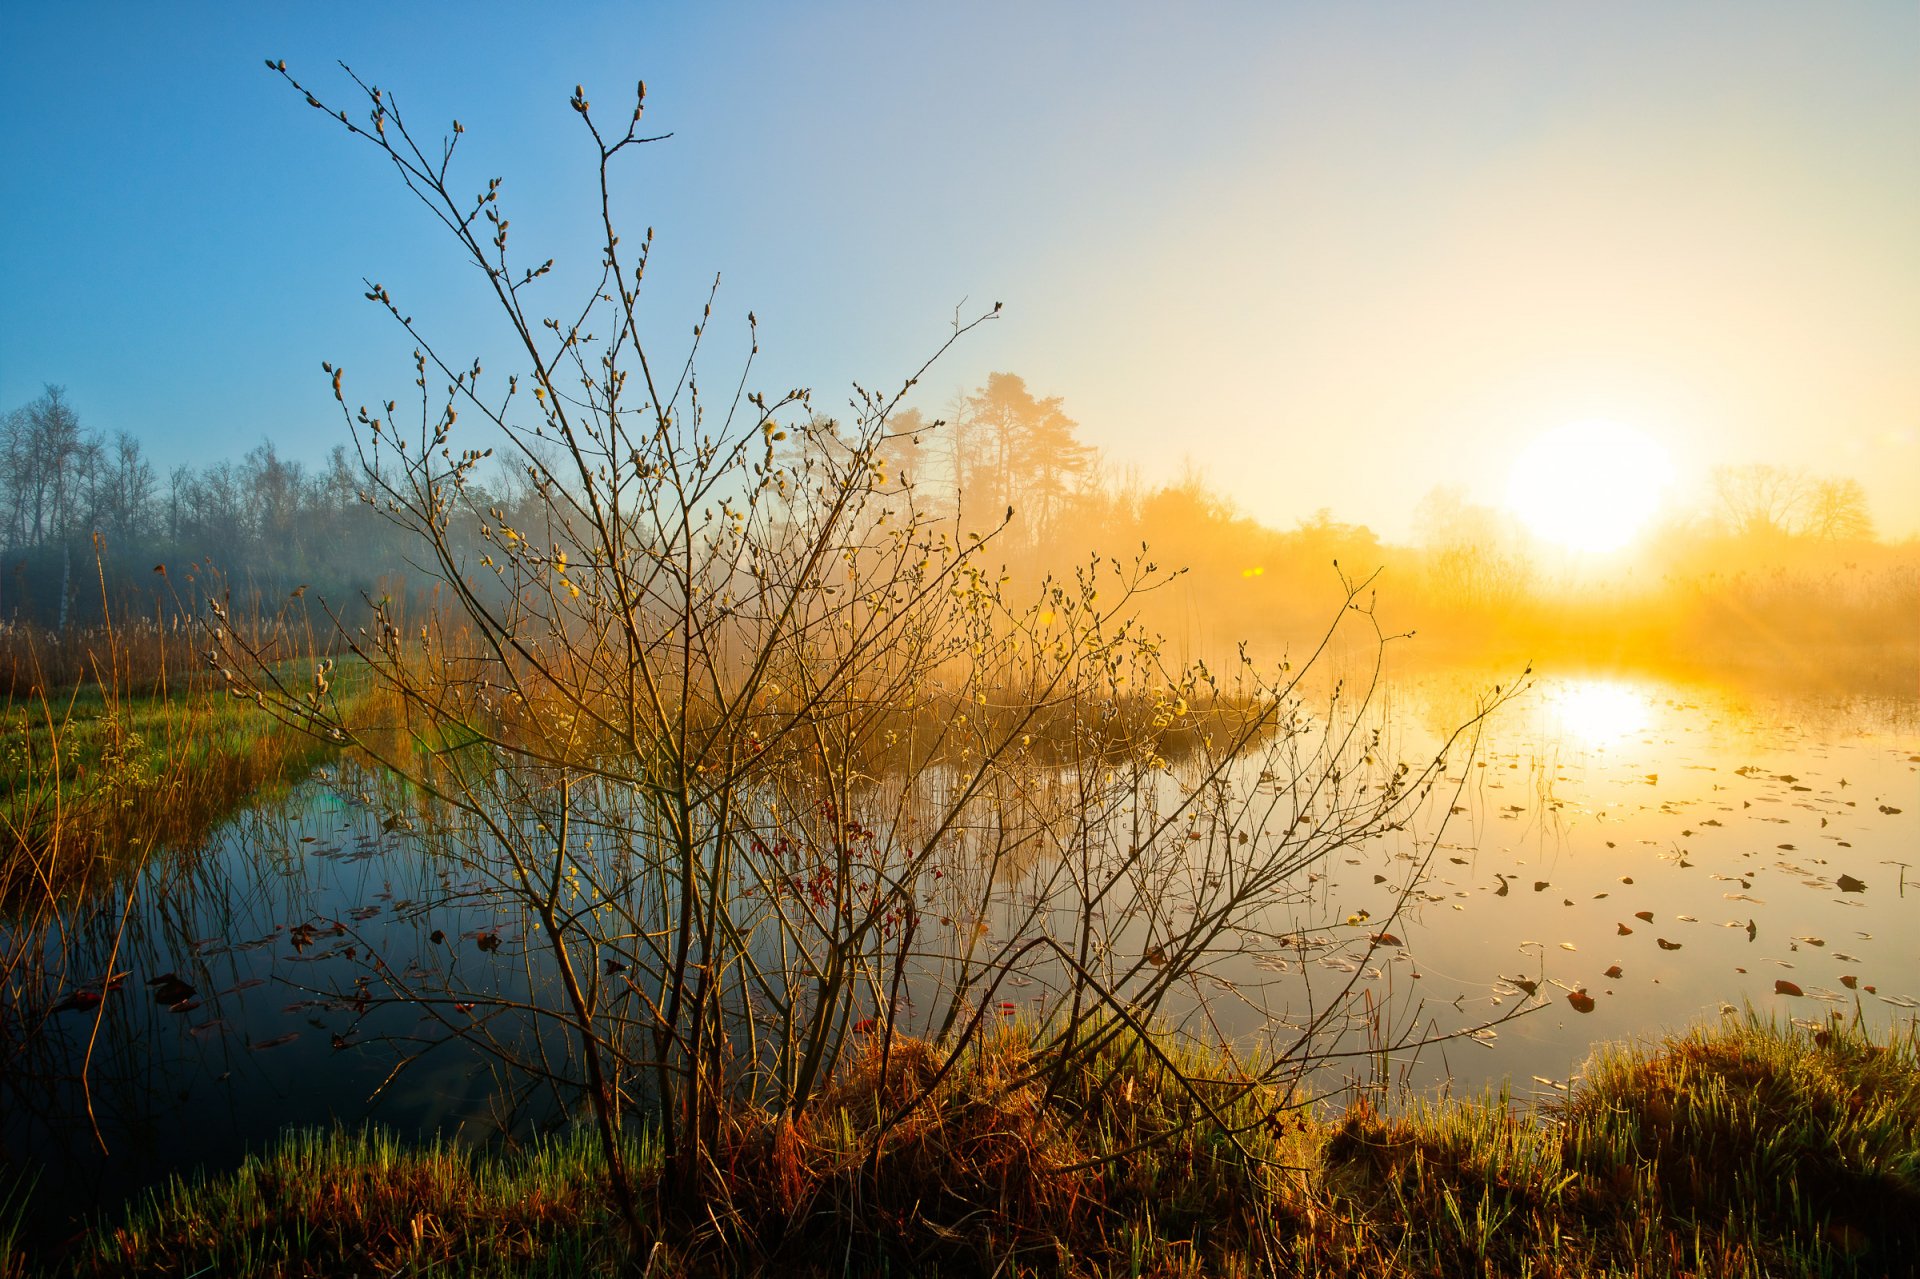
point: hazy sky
(1332, 255)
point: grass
(133, 756)
(1741, 1149)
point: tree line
(79, 507)
(999, 454)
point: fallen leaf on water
(276, 1041)
(1848, 884)
(170, 990)
(1385, 939)
(1567, 945)
(1644, 914)
(1582, 1002)
(1850, 981)
(1888, 809)
(1624, 930)
(1614, 972)
(1667, 945)
(1539, 885)
(1785, 987)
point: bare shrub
(763, 766)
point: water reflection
(1597, 713)
(1621, 857)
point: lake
(1621, 856)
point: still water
(1620, 857)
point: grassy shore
(91, 772)
(1740, 1149)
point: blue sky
(1330, 255)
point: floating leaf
(1385, 939)
(1848, 884)
(1582, 1002)
(1624, 931)
(1614, 972)
(1667, 945)
(1644, 914)
(277, 1041)
(1785, 987)
(1850, 981)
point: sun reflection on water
(1599, 712)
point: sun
(1588, 486)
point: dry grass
(1740, 1150)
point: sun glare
(1600, 712)
(1589, 486)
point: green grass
(88, 772)
(1741, 1149)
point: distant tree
(1472, 556)
(45, 459)
(1760, 499)
(900, 453)
(47, 462)
(124, 492)
(1837, 511)
(1026, 454)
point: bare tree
(1837, 511)
(1759, 499)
